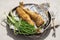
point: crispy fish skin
(36, 17)
(24, 15)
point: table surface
(7, 5)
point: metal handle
(53, 18)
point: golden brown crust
(24, 16)
(35, 16)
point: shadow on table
(34, 37)
(22, 37)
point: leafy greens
(22, 26)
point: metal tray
(46, 26)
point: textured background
(7, 5)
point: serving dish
(31, 6)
